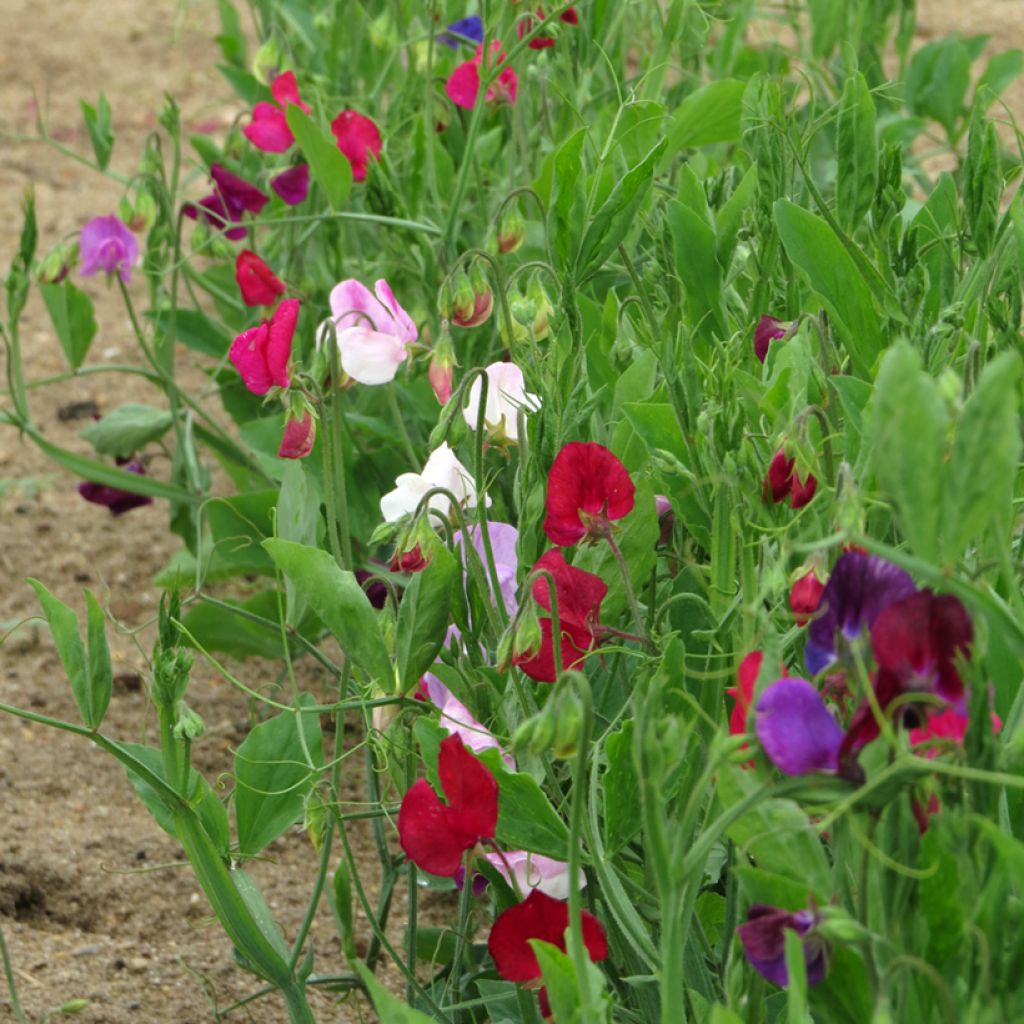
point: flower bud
(57, 263)
(473, 298)
(511, 229)
(314, 819)
(189, 726)
(171, 669)
(805, 595)
(836, 925)
(568, 718)
(535, 735)
(528, 636)
(268, 61)
(441, 365)
(542, 309)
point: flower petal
(796, 730)
(279, 342)
(268, 130)
(426, 834)
(292, 185)
(370, 357)
(470, 788)
(249, 359)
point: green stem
(12, 988)
(298, 1008)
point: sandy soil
(84, 912)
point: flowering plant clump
(684, 682)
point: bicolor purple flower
(114, 498)
(107, 244)
(232, 196)
(467, 28)
(796, 729)
(764, 942)
(860, 587)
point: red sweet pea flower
(804, 597)
(299, 435)
(261, 354)
(358, 138)
(256, 281)
(538, 917)
(743, 694)
(570, 17)
(579, 596)
(587, 488)
(464, 82)
(269, 129)
(782, 481)
(434, 835)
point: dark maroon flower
(374, 589)
(435, 835)
(805, 596)
(796, 730)
(409, 560)
(232, 196)
(768, 330)
(539, 916)
(860, 586)
(588, 488)
(292, 185)
(579, 596)
(114, 498)
(764, 942)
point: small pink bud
(299, 435)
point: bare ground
(84, 907)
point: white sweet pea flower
(506, 395)
(532, 871)
(372, 331)
(443, 469)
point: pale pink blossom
(532, 871)
(506, 395)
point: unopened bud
(473, 298)
(314, 819)
(268, 61)
(57, 263)
(528, 635)
(542, 309)
(568, 718)
(535, 735)
(442, 364)
(511, 230)
(189, 725)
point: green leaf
(827, 23)
(100, 128)
(983, 181)
(128, 429)
(329, 166)
(201, 797)
(298, 518)
(980, 477)
(339, 601)
(696, 261)
(526, 819)
(193, 329)
(214, 628)
(1000, 71)
(621, 789)
(616, 215)
(390, 1009)
(856, 153)
(709, 115)
(247, 86)
(274, 771)
(423, 618)
(90, 679)
(559, 979)
(937, 81)
(908, 441)
(71, 312)
(940, 900)
(832, 274)
(796, 969)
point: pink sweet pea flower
(534, 871)
(464, 82)
(372, 332)
(358, 139)
(269, 129)
(299, 435)
(261, 354)
(457, 719)
(107, 244)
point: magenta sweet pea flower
(358, 138)
(768, 330)
(796, 730)
(298, 438)
(269, 129)
(464, 82)
(764, 942)
(859, 588)
(107, 244)
(292, 185)
(261, 354)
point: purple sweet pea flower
(796, 730)
(457, 719)
(114, 498)
(860, 587)
(768, 330)
(503, 545)
(292, 185)
(469, 28)
(231, 197)
(107, 244)
(764, 942)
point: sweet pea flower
(435, 835)
(782, 481)
(443, 469)
(588, 488)
(372, 332)
(299, 435)
(261, 354)
(796, 730)
(533, 871)
(768, 330)
(358, 138)
(764, 942)
(457, 719)
(269, 129)
(471, 28)
(503, 537)
(463, 84)
(538, 917)
(107, 244)
(506, 395)
(743, 692)
(805, 596)
(525, 26)
(258, 284)
(579, 594)
(860, 586)
(292, 185)
(114, 498)
(231, 198)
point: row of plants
(629, 397)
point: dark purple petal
(768, 330)
(796, 730)
(764, 943)
(860, 586)
(114, 498)
(292, 185)
(240, 196)
(469, 28)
